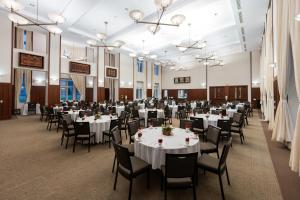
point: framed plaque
(81, 68)
(30, 60)
(179, 80)
(111, 72)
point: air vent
(238, 4)
(243, 31)
(241, 17)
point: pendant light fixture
(154, 27)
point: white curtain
(283, 128)
(19, 73)
(79, 82)
(294, 9)
(28, 84)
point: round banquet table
(98, 126)
(193, 105)
(143, 114)
(119, 109)
(211, 120)
(141, 105)
(148, 149)
(229, 111)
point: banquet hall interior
(149, 99)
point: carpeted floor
(33, 165)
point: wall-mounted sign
(111, 72)
(179, 80)
(30, 60)
(81, 68)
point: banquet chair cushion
(86, 136)
(177, 182)
(138, 166)
(207, 147)
(208, 162)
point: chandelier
(144, 54)
(13, 7)
(102, 37)
(209, 60)
(154, 27)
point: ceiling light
(153, 56)
(119, 43)
(163, 4)
(10, 4)
(182, 48)
(132, 54)
(136, 15)
(56, 18)
(141, 58)
(101, 36)
(297, 18)
(172, 67)
(177, 19)
(91, 42)
(17, 19)
(54, 29)
(153, 28)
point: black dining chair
(237, 125)
(185, 123)
(198, 127)
(83, 133)
(152, 114)
(67, 132)
(225, 126)
(113, 123)
(211, 145)
(133, 127)
(129, 167)
(179, 172)
(216, 166)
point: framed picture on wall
(181, 80)
(187, 79)
(176, 80)
(111, 72)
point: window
(139, 90)
(23, 94)
(140, 65)
(182, 94)
(156, 90)
(156, 70)
(25, 40)
(68, 91)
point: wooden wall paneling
(255, 100)
(101, 94)
(37, 94)
(197, 94)
(5, 100)
(89, 94)
(149, 92)
(126, 92)
(173, 93)
(53, 95)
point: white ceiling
(216, 21)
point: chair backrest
(113, 124)
(224, 155)
(123, 156)
(236, 117)
(81, 114)
(65, 125)
(198, 123)
(181, 165)
(213, 134)
(224, 124)
(133, 127)
(156, 122)
(184, 123)
(152, 114)
(68, 118)
(116, 135)
(182, 114)
(215, 112)
(135, 113)
(82, 128)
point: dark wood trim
(133, 77)
(6, 97)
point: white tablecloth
(240, 105)
(119, 109)
(174, 109)
(24, 109)
(98, 126)
(74, 114)
(211, 120)
(141, 105)
(229, 111)
(147, 147)
(143, 113)
(193, 105)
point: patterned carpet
(35, 166)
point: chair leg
(161, 181)
(148, 178)
(67, 142)
(194, 190)
(130, 189)
(89, 143)
(165, 189)
(116, 178)
(221, 185)
(227, 175)
(113, 169)
(74, 144)
(218, 153)
(62, 139)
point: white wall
(197, 74)
(54, 59)
(101, 67)
(39, 42)
(5, 47)
(39, 78)
(256, 69)
(126, 71)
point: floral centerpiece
(97, 115)
(167, 130)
